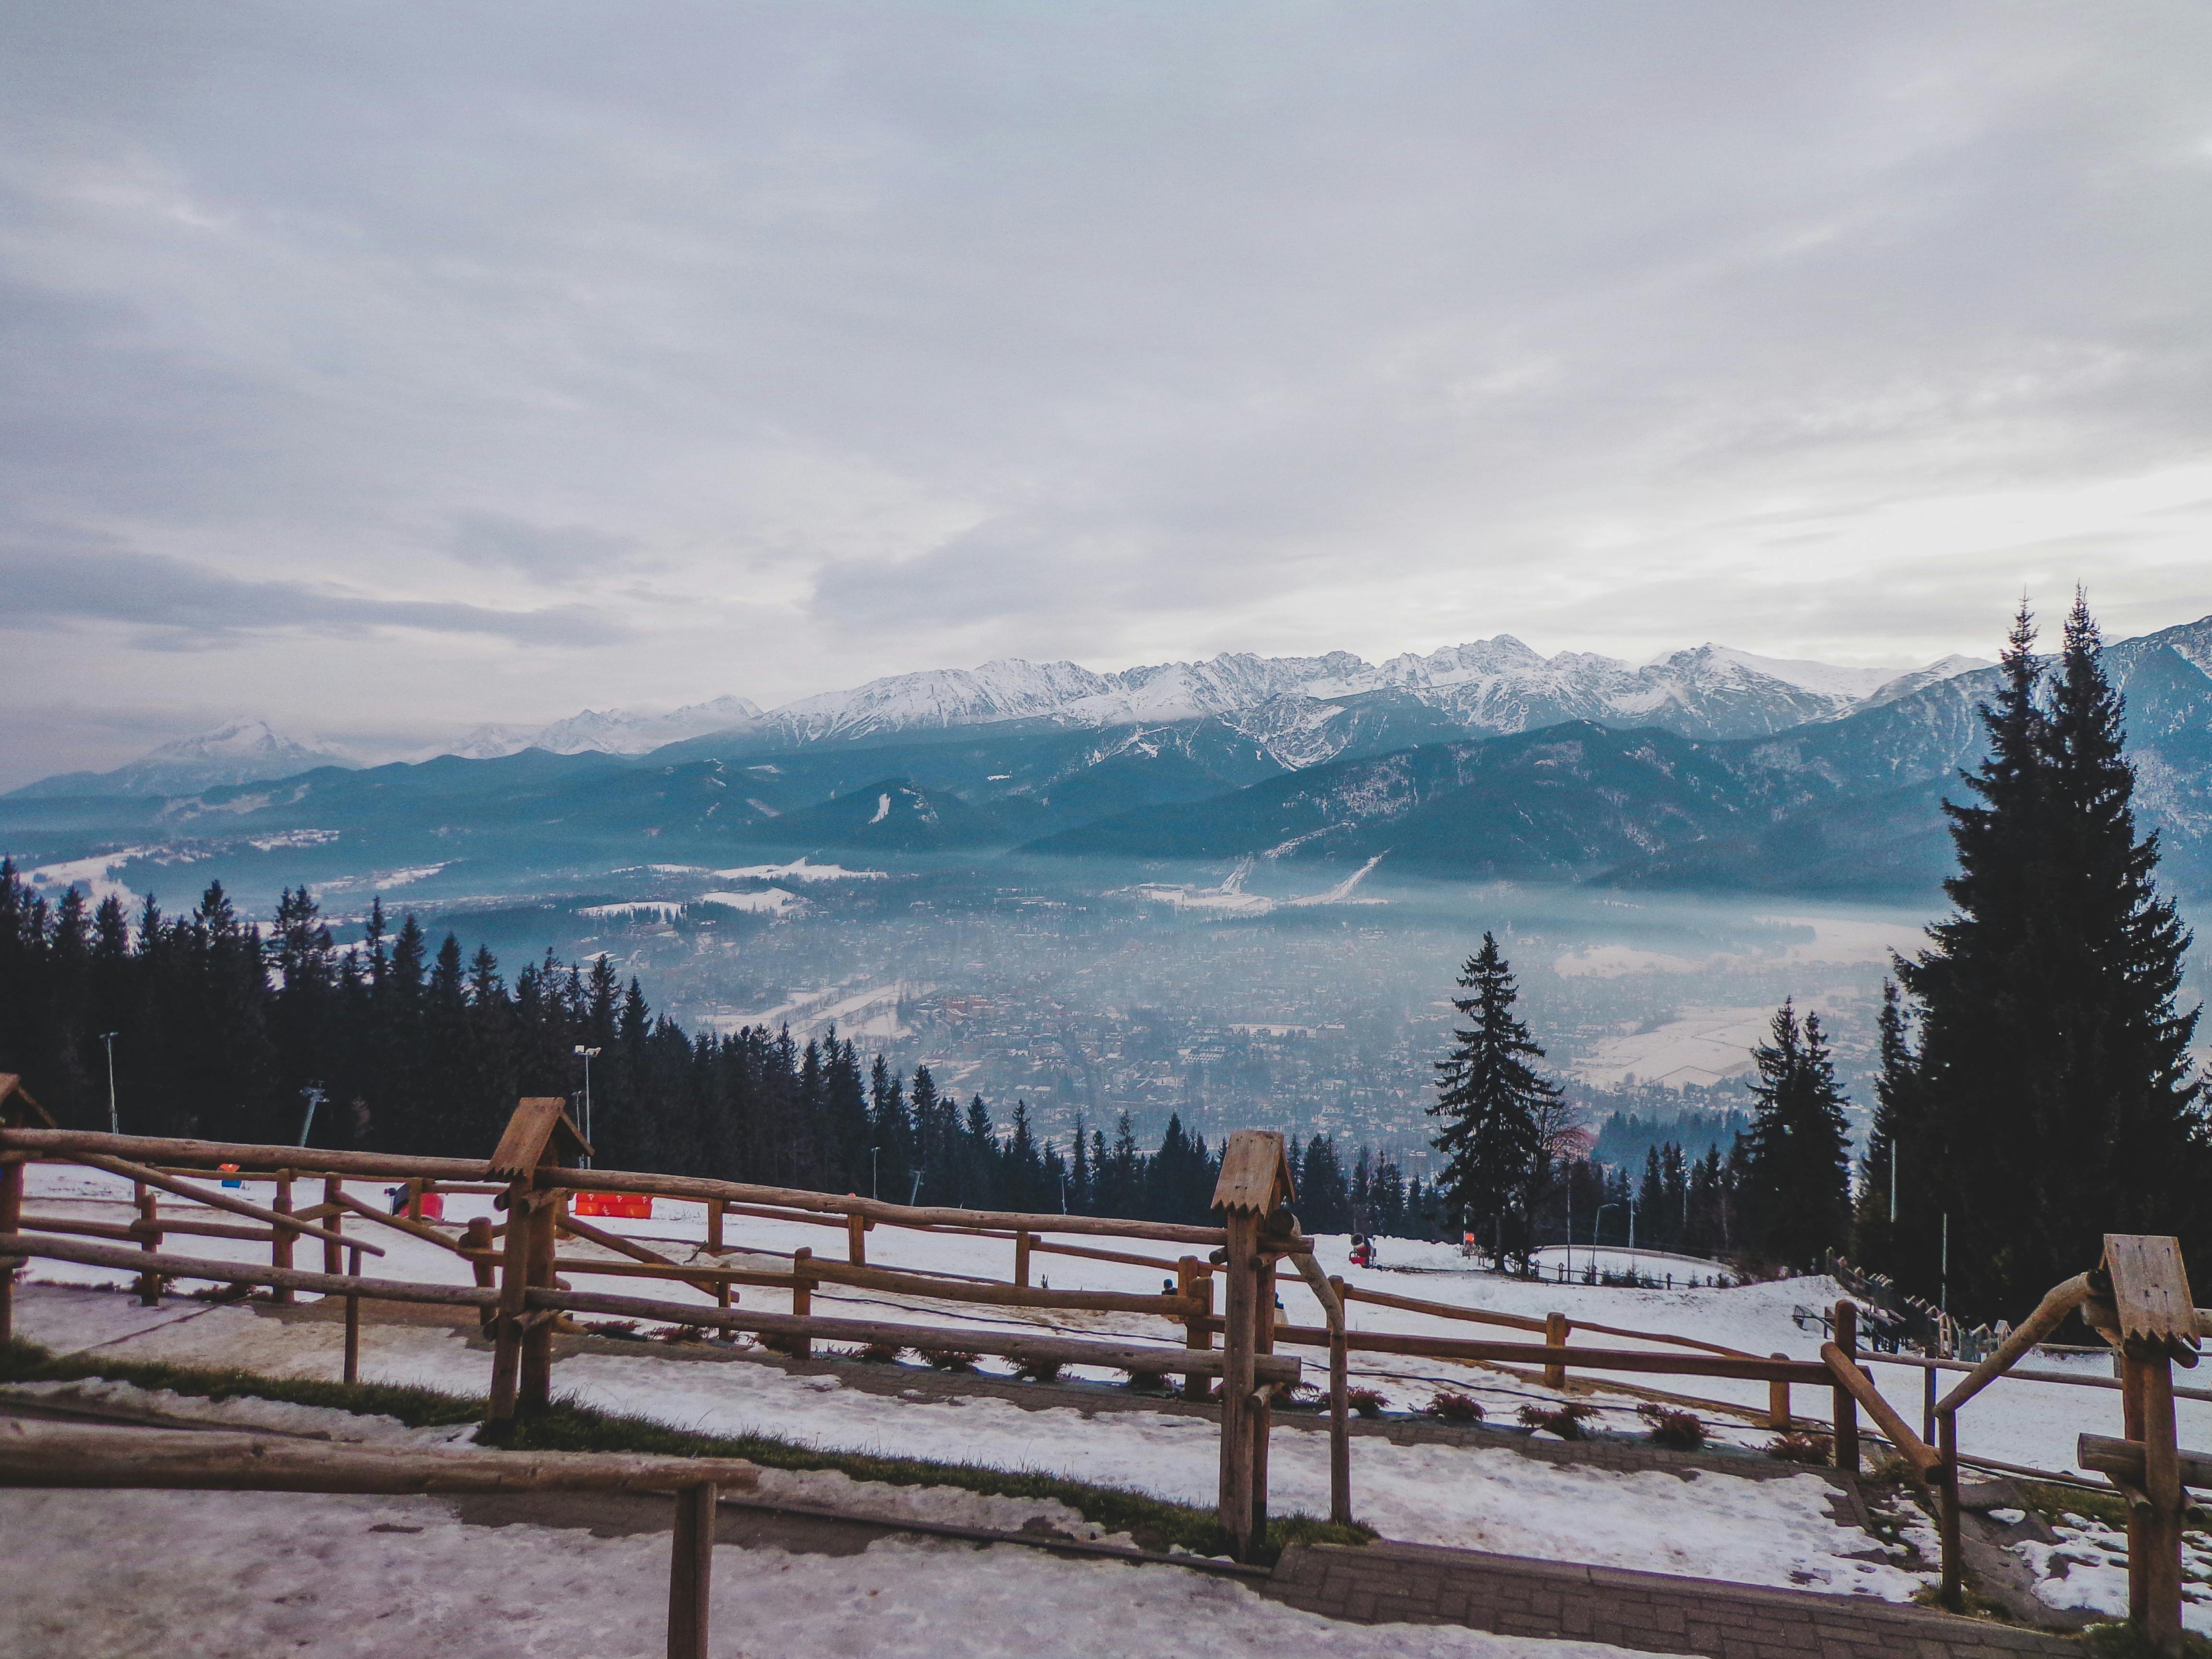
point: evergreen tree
(1493, 1104)
(2051, 1099)
(1795, 1183)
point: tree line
(2035, 1091)
(221, 1029)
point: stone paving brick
(1650, 1611)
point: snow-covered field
(1777, 1531)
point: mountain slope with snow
(237, 751)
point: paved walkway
(1654, 1613)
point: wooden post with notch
(1256, 1187)
(539, 1140)
(2151, 1319)
(17, 1111)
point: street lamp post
(875, 1176)
(114, 1117)
(1598, 1222)
(587, 1054)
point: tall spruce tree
(2052, 1099)
(1794, 1184)
(1493, 1105)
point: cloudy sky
(383, 368)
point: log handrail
(2050, 1313)
(245, 1273)
(84, 1146)
(1861, 1387)
(35, 1454)
(997, 1295)
(55, 1224)
(630, 1248)
(1744, 1368)
(367, 1211)
(1441, 1310)
(1161, 1361)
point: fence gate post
(1255, 1184)
(537, 1141)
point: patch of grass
(949, 1359)
(1154, 1522)
(418, 1409)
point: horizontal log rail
(1440, 1309)
(55, 1224)
(34, 1454)
(2124, 1459)
(1861, 1387)
(1041, 1247)
(1002, 1296)
(1152, 1360)
(85, 1147)
(1744, 1368)
(703, 1279)
(244, 1273)
(207, 1157)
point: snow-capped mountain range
(1296, 708)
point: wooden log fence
(36, 1456)
(521, 1291)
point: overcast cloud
(388, 368)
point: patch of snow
(768, 901)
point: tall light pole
(875, 1174)
(1598, 1222)
(114, 1117)
(587, 1054)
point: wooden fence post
(691, 1572)
(1777, 1402)
(11, 1221)
(1189, 1282)
(353, 1322)
(1954, 1592)
(1021, 1258)
(1340, 1424)
(713, 1224)
(513, 1286)
(282, 1238)
(1237, 1328)
(1927, 1405)
(1555, 1336)
(415, 1198)
(149, 1285)
(1263, 1410)
(534, 1388)
(856, 1240)
(333, 1260)
(1846, 1408)
(2158, 1538)
(802, 1299)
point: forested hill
(226, 1032)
